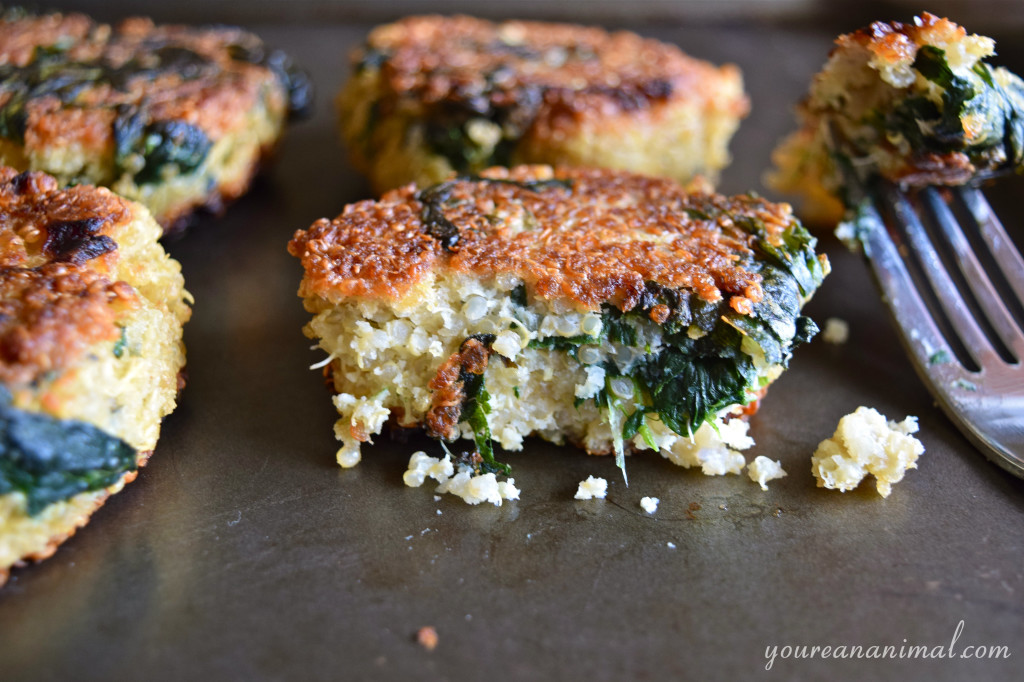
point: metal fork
(949, 320)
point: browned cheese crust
(555, 75)
(56, 299)
(118, 79)
(596, 237)
(50, 316)
(215, 96)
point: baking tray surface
(243, 552)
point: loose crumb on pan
(866, 443)
(427, 637)
(649, 504)
(459, 480)
(762, 470)
(837, 331)
(591, 488)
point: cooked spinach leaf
(518, 296)
(170, 143)
(122, 344)
(447, 128)
(992, 107)
(50, 460)
(464, 153)
(563, 343)
(685, 391)
(475, 408)
(475, 411)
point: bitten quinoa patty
(914, 103)
(91, 315)
(174, 117)
(432, 95)
(612, 310)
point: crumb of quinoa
(837, 331)
(649, 504)
(865, 442)
(473, 488)
(591, 488)
(427, 637)
(763, 469)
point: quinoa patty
(174, 117)
(434, 95)
(914, 103)
(613, 310)
(91, 315)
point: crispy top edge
(897, 41)
(480, 64)
(210, 77)
(578, 236)
(57, 297)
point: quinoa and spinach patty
(174, 117)
(91, 315)
(434, 95)
(916, 104)
(616, 311)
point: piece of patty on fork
(432, 95)
(91, 315)
(914, 103)
(175, 117)
(607, 309)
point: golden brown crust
(176, 117)
(19, 39)
(50, 315)
(174, 72)
(897, 41)
(36, 213)
(56, 299)
(598, 240)
(554, 74)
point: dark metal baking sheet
(243, 552)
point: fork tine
(920, 334)
(964, 324)
(977, 280)
(1001, 246)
